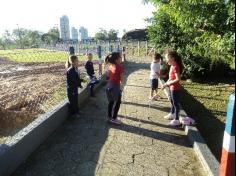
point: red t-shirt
(174, 70)
(115, 72)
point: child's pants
(73, 103)
(116, 108)
(175, 103)
(91, 86)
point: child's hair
(176, 57)
(157, 56)
(70, 60)
(112, 58)
(89, 54)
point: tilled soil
(24, 88)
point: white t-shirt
(155, 68)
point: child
(176, 70)
(115, 79)
(73, 83)
(90, 71)
(155, 74)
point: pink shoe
(175, 123)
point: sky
(93, 14)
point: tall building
(64, 28)
(83, 33)
(74, 34)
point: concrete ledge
(26, 141)
(207, 159)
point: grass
(207, 104)
(37, 55)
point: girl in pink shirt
(176, 70)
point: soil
(23, 88)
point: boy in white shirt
(154, 75)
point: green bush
(219, 68)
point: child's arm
(169, 83)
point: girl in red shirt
(176, 70)
(115, 79)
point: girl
(115, 79)
(73, 83)
(155, 74)
(176, 70)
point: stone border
(15, 151)
(205, 156)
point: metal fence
(33, 80)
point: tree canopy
(201, 30)
(104, 35)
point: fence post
(123, 51)
(227, 167)
(111, 49)
(72, 50)
(99, 51)
(146, 48)
(138, 48)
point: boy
(90, 71)
(154, 75)
(73, 83)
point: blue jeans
(175, 109)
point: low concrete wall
(19, 148)
(205, 156)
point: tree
(25, 38)
(112, 35)
(51, 37)
(101, 35)
(202, 31)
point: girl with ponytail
(115, 76)
(176, 70)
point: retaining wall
(26, 141)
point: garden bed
(28, 89)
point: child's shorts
(154, 84)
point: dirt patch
(24, 87)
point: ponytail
(112, 58)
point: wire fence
(33, 80)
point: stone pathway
(143, 146)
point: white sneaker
(175, 123)
(115, 121)
(169, 117)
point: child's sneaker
(175, 123)
(169, 117)
(115, 121)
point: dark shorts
(154, 84)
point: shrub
(219, 68)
